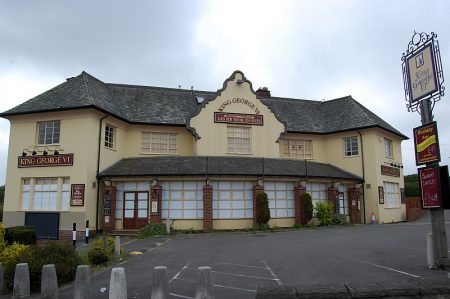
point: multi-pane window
(45, 194)
(388, 148)
(160, 143)
(182, 200)
(281, 199)
(318, 192)
(48, 132)
(391, 195)
(110, 135)
(124, 187)
(297, 148)
(232, 199)
(342, 200)
(351, 146)
(239, 139)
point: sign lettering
(390, 171)
(77, 195)
(426, 144)
(239, 101)
(42, 161)
(429, 186)
(236, 118)
(422, 74)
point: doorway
(135, 212)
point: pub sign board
(390, 171)
(45, 161)
(421, 71)
(77, 195)
(237, 118)
(429, 187)
(426, 144)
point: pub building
(120, 156)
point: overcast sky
(301, 49)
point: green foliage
(307, 207)
(313, 222)
(2, 238)
(340, 219)
(153, 229)
(21, 234)
(412, 185)
(2, 193)
(263, 211)
(10, 257)
(297, 226)
(98, 255)
(325, 212)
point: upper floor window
(48, 132)
(388, 148)
(160, 143)
(239, 139)
(297, 148)
(351, 146)
(110, 135)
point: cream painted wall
(213, 136)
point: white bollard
(205, 288)
(117, 246)
(159, 286)
(118, 284)
(168, 226)
(430, 252)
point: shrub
(307, 208)
(325, 213)
(9, 257)
(263, 211)
(340, 219)
(2, 238)
(153, 229)
(313, 222)
(21, 234)
(97, 255)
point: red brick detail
(67, 235)
(207, 208)
(111, 224)
(155, 195)
(299, 213)
(413, 208)
(354, 203)
(256, 189)
(332, 195)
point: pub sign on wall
(77, 195)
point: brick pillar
(207, 208)
(332, 195)
(354, 204)
(109, 214)
(256, 189)
(299, 213)
(155, 199)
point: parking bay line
(382, 267)
(232, 264)
(179, 272)
(240, 275)
(219, 285)
(273, 273)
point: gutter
(98, 169)
(363, 177)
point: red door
(135, 211)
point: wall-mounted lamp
(34, 153)
(155, 182)
(259, 182)
(394, 164)
(107, 183)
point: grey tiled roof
(168, 106)
(199, 165)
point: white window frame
(388, 148)
(297, 148)
(351, 146)
(37, 195)
(232, 199)
(110, 137)
(318, 192)
(391, 195)
(159, 143)
(48, 133)
(239, 139)
(281, 199)
(182, 199)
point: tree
(412, 185)
(263, 215)
(306, 208)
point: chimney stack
(263, 92)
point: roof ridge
(86, 82)
(155, 87)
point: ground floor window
(342, 200)
(182, 199)
(281, 199)
(318, 192)
(232, 199)
(46, 194)
(391, 195)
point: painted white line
(234, 288)
(180, 296)
(157, 245)
(179, 272)
(184, 279)
(231, 264)
(273, 273)
(383, 267)
(242, 275)
(129, 242)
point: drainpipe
(364, 178)
(98, 170)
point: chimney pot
(263, 92)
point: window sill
(392, 208)
(159, 154)
(354, 156)
(111, 149)
(243, 154)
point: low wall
(413, 208)
(414, 288)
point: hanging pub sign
(426, 144)
(77, 195)
(45, 160)
(390, 171)
(237, 118)
(429, 187)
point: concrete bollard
(49, 282)
(82, 282)
(118, 284)
(205, 288)
(21, 281)
(159, 286)
(1, 279)
(168, 226)
(117, 246)
(430, 252)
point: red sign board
(391, 171)
(426, 144)
(237, 118)
(42, 161)
(429, 186)
(77, 195)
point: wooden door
(135, 210)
